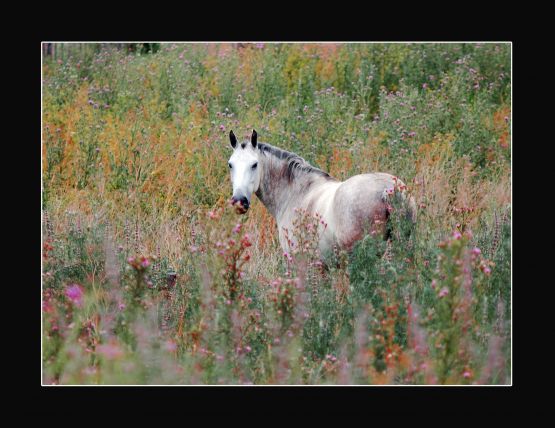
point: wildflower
(75, 293)
(260, 45)
(222, 128)
(248, 348)
(424, 86)
(90, 371)
(476, 250)
(457, 234)
(110, 351)
(46, 307)
(237, 228)
(171, 346)
(443, 292)
(121, 306)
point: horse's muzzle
(241, 204)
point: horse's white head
(245, 172)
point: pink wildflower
(110, 351)
(46, 307)
(75, 293)
(443, 292)
(171, 346)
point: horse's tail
(409, 208)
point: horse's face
(245, 172)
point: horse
(285, 183)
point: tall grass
(150, 278)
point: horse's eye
(229, 164)
(255, 165)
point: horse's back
(364, 191)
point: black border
(271, 399)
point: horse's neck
(275, 190)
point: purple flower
(260, 45)
(171, 346)
(110, 351)
(222, 128)
(75, 293)
(443, 292)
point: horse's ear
(232, 139)
(253, 138)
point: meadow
(149, 276)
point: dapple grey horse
(285, 183)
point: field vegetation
(149, 277)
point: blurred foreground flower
(74, 292)
(110, 351)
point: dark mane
(295, 163)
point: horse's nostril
(245, 203)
